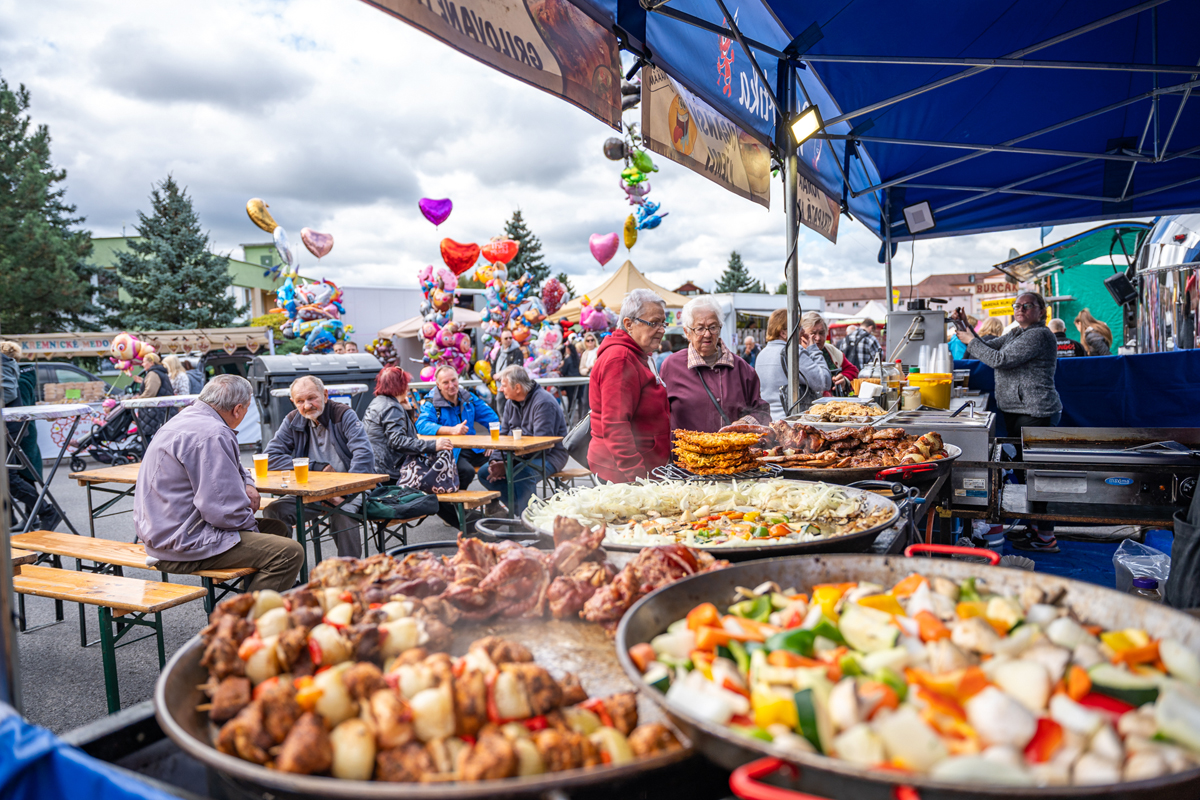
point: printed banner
(549, 44)
(999, 307)
(679, 125)
(818, 209)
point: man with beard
(333, 439)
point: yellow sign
(895, 297)
(998, 307)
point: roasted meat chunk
(470, 703)
(279, 708)
(622, 709)
(393, 719)
(363, 680)
(307, 749)
(562, 750)
(652, 739)
(543, 691)
(572, 691)
(291, 644)
(245, 736)
(407, 763)
(491, 758)
(502, 651)
(230, 697)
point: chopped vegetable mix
(929, 675)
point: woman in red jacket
(631, 431)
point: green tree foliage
(737, 279)
(45, 280)
(566, 282)
(781, 288)
(529, 257)
(170, 279)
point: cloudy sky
(341, 118)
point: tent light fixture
(919, 217)
(806, 124)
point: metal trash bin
(278, 372)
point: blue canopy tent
(998, 116)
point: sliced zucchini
(865, 632)
(809, 716)
(658, 676)
(1123, 685)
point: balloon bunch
(384, 351)
(444, 343)
(596, 318)
(546, 359)
(319, 244)
(127, 350)
(314, 312)
(635, 182)
(511, 305)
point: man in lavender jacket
(194, 503)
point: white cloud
(341, 117)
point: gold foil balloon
(259, 215)
(483, 371)
(630, 232)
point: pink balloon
(604, 246)
(436, 211)
(319, 244)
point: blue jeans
(526, 478)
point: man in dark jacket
(331, 436)
(536, 413)
(1067, 348)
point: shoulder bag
(437, 473)
(721, 411)
(579, 439)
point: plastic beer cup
(300, 465)
(516, 434)
(494, 427)
(260, 466)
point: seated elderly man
(333, 439)
(536, 413)
(194, 504)
(707, 385)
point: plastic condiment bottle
(1147, 589)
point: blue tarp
(1150, 390)
(37, 765)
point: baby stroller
(112, 443)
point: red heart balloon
(502, 250)
(459, 257)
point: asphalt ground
(62, 684)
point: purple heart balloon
(436, 211)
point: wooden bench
(114, 556)
(123, 604)
(565, 479)
(20, 558)
(462, 500)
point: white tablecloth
(58, 411)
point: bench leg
(462, 518)
(158, 635)
(210, 599)
(108, 655)
(301, 538)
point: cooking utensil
(850, 543)
(558, 645)
(850, 474)
(835, 778)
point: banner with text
(679, 125)
(818, 210)
(549, 44)
(998, 307)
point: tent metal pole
(887, 247)
(1179, 87)
(10, 683)
(997, 148)
(786, 145)
(1091, 26)
(998, 62)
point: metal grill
(673, 472)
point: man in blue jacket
(331, 436)
(536, 413)
(450, 412)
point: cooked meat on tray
(800, 446)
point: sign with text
(679, 125)
(994, 288)
(999, 307)
(818, 210)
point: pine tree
(529, 257)
(566, 282)
(45, 281)
(170, 278)
(781, 288)
(737, 279)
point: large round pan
(852, 543)
(834, 778)
(559, 645)
(851, 474)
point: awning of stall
(1116, 242)
(613, 292)
(411, 328)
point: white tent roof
(411, 328)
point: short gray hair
(316, 382)
(700, 303)
(444, 368)
(224, 392)
(811, 319)
(517, 374)
(635, 301)
(1057, 325)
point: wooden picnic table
(125, 475)
(512, 449)
(320, 486)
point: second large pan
(851, 474)
(853, 543)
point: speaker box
(1120, 288)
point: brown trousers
(272, 552)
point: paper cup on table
(516, 434)
(869, 391)
(300, 466)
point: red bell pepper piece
(596, 706)
(1045, 742)
(314, 652)
(1105, 703)
(535, 724)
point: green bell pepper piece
(795, 641)
(889, 677)
(740, 656)
(967, 591)
(757, 609)
(753, 732)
